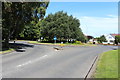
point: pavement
(42, 61)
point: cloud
(97, 26)
(111, 16)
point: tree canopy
(62, 26)
(15, 15)
(31, 31)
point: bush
(117, 39)
(90, 42)
(78, 42)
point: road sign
(55, 38)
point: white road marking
(24, 64)
(29, 62)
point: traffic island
(59, 44)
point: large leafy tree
(31, 31)
(62, 26)
(15, 15)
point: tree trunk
(6, 44)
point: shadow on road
(21, 44)
(20, 47)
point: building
(92, 40)
(110, 38)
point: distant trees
(62, 26)
(117, 39)
(101, 39)
(15, 15)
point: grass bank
(64, 44)
(6, 51)
(107, 66)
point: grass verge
(6, 51)
(65, 44)
(38, 42)
(107, 66)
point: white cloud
(97, 26)
(111, 15)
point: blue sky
(96, 18)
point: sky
(96, 18)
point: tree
(62, 26)
(15, 15)
(30, 32)
(102, 39)
(117, 39)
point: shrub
(117, 39)
(78, 42)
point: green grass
(40, 42)
(107, 66)
(6, 51)
(65, 44)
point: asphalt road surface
(40, 61)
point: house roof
(114, 35)
(89, 36)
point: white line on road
(24, 64)
(29, 62)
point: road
(41, 61)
